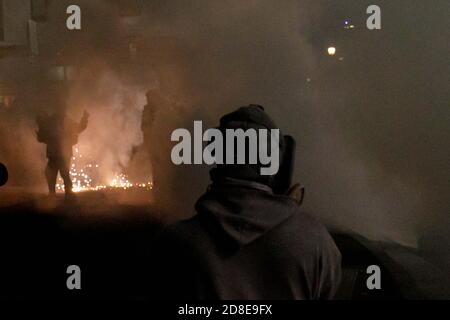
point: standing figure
(151, 144)
(60, 133)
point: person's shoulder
(307, 219)
(309, 227)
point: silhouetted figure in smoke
(148, 120)
(249, 239)
(148, 115)
(3, 174)
(60, 133)
(154, 102)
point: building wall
(15, 16)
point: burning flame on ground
(85, 178)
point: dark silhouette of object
(3, 174)
(249, 239)
(149, 113)
(60, 133)
(155, 101)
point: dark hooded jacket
(247, 243)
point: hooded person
(249, 239)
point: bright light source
(331, 51)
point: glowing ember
(85, 177)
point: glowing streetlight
(331, 51)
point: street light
(331, 51)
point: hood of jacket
(244, 211)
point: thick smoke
(372, 130)
(114, 130)
(370, 142)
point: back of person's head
(254, 117)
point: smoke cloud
(371, 129)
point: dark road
(40, 237)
